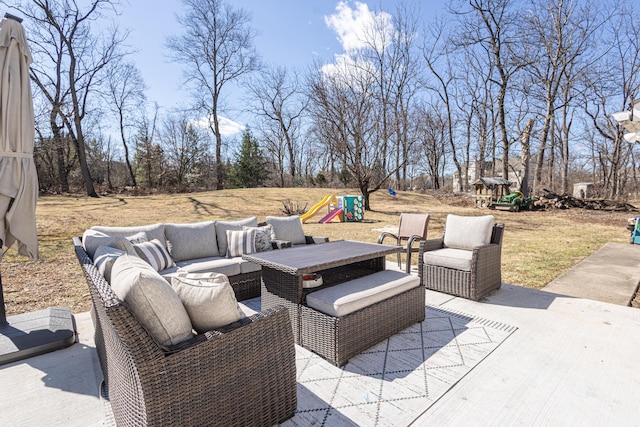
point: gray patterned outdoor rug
(393, 382)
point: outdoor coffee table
(337, 262)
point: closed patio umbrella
(23, 335)
(18, 177)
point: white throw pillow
(466, 232)
(241, 242)
(155, 254)
(263, 237)
(287, 228)
(104, 259)
(208, 299)
(151, 300)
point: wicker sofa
(240, 374)
(203, 246)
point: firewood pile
(551, 200)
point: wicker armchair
(243, 374)
(469, 273)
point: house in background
(516, 172)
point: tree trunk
(126, 151)
(526, 157)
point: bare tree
(362, 103)
(562, 33)
(433, 134)
(68, 66)
(280, 105)
(526, 156)
(125, 98)
(345, 111)
(494, 26)
(216, 48)
(149, 157)
(183, 146)
(438, 58)
(613, 86)
(387, 55)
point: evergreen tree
(249, 169)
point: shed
(489, 190)
(583, 190)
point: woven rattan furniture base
(242, 374)
(246, 285)
(336, 338)
(484, 277)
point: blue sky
(289, 32)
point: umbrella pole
(3, 312)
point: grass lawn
(538, 246)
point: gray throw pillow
(153, 231)
(287, 228)
(208, 299)
(92, 240)
(191, 241)
(151, 300)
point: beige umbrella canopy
(28, 334)
(18, 177)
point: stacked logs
(551, 200)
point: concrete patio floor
(572, 361)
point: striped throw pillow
(154, 253)
(241, 242)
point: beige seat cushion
(151, 300)
(457, 259)
(226, 266)
(287, 228)
(208, 298)
(191, 241)
(223, 226)
(466, 232)
(248, 266)
(356, 294)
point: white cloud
(359, 26)
(344, 66)
(227, 126)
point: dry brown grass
(538, 246)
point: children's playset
(338, 208)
